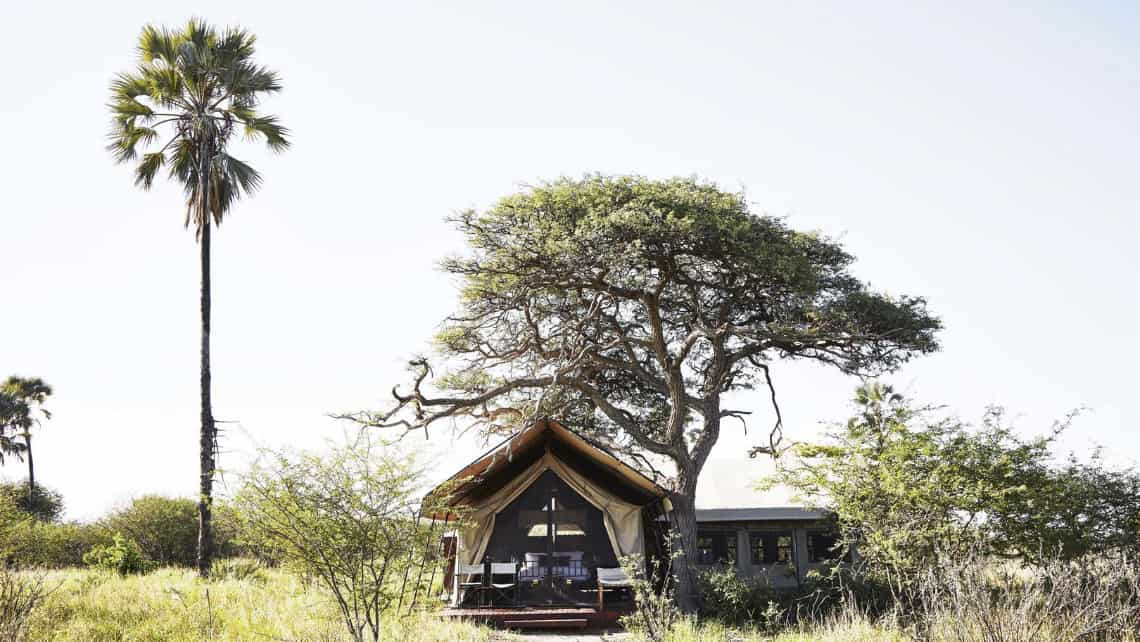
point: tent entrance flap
(557, 525)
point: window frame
(759, 540)
(722, 547)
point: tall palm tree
(22, 397)
(179, 110)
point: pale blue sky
(982, 155)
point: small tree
(630, 308)
(20, 411)
(347, 518)
(912, 489)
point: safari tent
(554, 507)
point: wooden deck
(546, 617)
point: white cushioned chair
(611, 579)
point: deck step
(553, 623)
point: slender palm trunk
(206, 436)
(31, 467)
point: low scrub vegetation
(348, 520)
(173, 605)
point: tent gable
(484, 477)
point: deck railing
(570, 569)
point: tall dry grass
(173, 605)
(1096, 598)
(977, 599)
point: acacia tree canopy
(628, 307)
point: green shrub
(44, 503)
(754, 603)
(166, 528)
(33, 543)
(729, 597)
(122, 556)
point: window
(821, 547)
(533, 522)
(784, 550)
(569, 522)
(772, 547)
(716, 547)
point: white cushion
(613, 577)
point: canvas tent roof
(481, 478)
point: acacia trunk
(685, 544)
(206, 436)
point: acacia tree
(346, 518)
(630, 307)
(192, 89)
(20, 411)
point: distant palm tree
(192, 88)
(21, 398)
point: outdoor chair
(499, 588)
(611, 579)
(470, 577)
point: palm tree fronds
(131, 108)
(194, 83)
(125, 139)
(144, 173)
(267, 126)
(127, 86)
(236, 44)
(157, 44)
(238, 173)
(199, 34)
(184, 164)
(230, 179)
(166, 85)
(248, 80)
